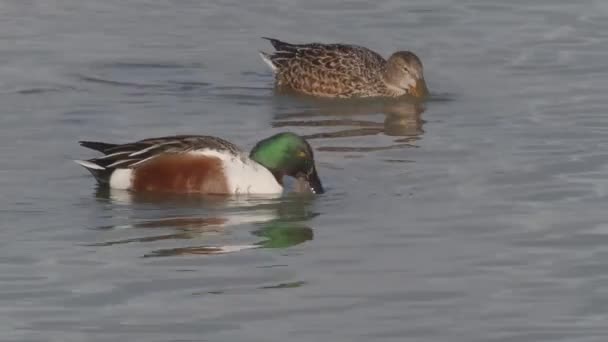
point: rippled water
(477, 216)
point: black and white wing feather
(131, 155)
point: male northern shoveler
(203, 164)
(340, 70)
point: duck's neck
(391, 82)
(278, 175)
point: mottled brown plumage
(340, 70)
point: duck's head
(288, 154)
(404, 71)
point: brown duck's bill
(420, 89)
(309, 183)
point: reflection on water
(188, 227)
(285, 285)
(280, 223)
(402, 118)
(276, 235)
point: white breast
(244, 175)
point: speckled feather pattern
(329, 70)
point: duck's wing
(353, 60)
(134, 154)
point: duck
(199, 164)
(344, 71)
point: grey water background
(479, 216)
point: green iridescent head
(288, 154)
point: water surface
(479, 215)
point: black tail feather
(280, 45)
(102, 176)
(97, 146)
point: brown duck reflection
(280, 223)
(401, 119)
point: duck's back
(336, 70)
(179, 164)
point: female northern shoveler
(340, 70)
(203, 164)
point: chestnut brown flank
(181, 173)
